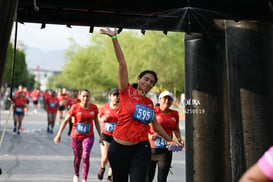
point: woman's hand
(57, 139)
(101, 141)
(108, 31)
(181, 141)
(177, 148)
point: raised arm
(122, 70)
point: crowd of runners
(135, 135)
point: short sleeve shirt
(129, 129)
(19, 104)
(52, 105)
(265, 163)
(35, 95)
(83, 117)
(112, 118)
(168, 121)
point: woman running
(82, 134)
(71, 101)
(129, 153)
(52, 104)
(20, 103)
(108, 115)
(161, 156)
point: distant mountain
(47, 60)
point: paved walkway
(33, 157)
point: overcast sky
(53, 37)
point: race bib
(52, 104)
(19, 109)
(110, 126)
(144, 114)
(82, 128)
(160, 143)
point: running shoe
(76, 178)
(101, 172)
(109, 179)
(18, 132)
(48, 130)
(14, 130)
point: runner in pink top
(266, 163)
(82, 135)
(262, 171)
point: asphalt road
(33, 157)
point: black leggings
(130, 161)
(162, 158)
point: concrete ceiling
(165, 15)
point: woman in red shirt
(161, 156)
(35, 96)
(130, 152)
(52, 104)
(82, 134)
(108, 115)
(20, 103)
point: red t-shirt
(52, 105)
(35, 95)
(83, 123)
(46, 97)
(128, 128)
(111, 118)
(168, 121)
(19, 104)
(18, 91)
(62, 99)
(72, 100)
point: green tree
(95, 66)
(21, 74)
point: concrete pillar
(250, 80)
(207, 127)
(7, 15)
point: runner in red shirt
(82, 135)
(47, 95)
(20, 89)
(27, 95)
(52, 105)
(130, 153)
(20, 103)
(35, 95)
(108, 115)
(71, 101)
(161, 156)
(62, 97)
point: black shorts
(35, 102)
(61, 108)
(107, 138)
